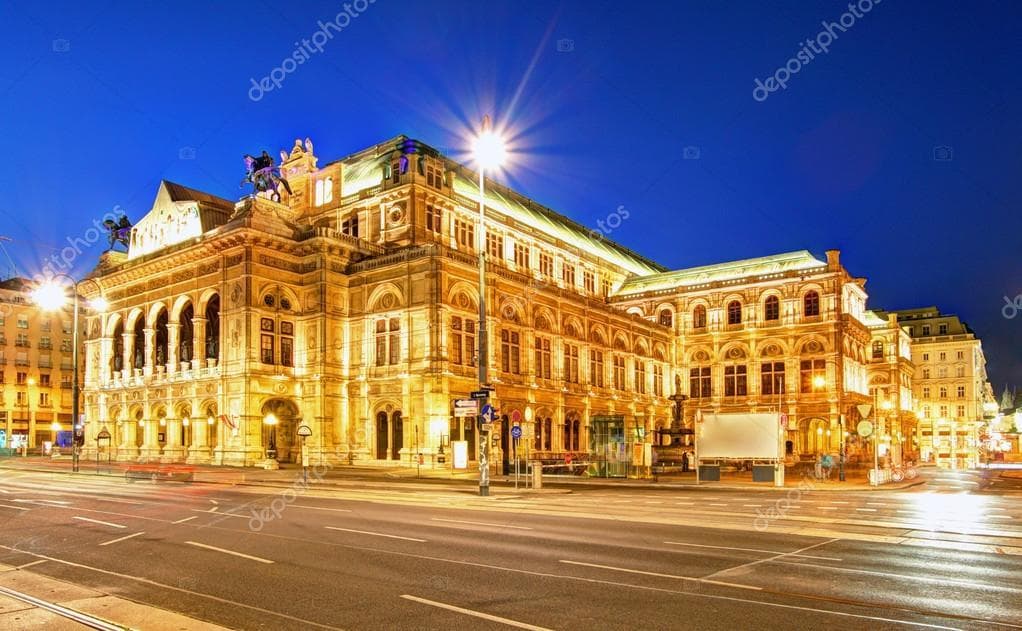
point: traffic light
(79, 438)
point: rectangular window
(589, 281)
(546, 265)
(699, 383)
(926, 392)
(22, 340)
(571, 363)
(463, 341)
(658, 380)
(395, 341)
(395, 172)
(640, 377)
(942, 356)
(605, 287)
(521, 256)
(926, 411)
(961, 392)
(926, 373)
(44, 399)
(942, 372)
(568, 275)
(434, 218)
(495, 246)
(381, 342)
(22, 322)
(926, 329)
(596, 368)
(22, 377)
(350, 226)
(960, 371)
(44, 380)
(943, 411)
(465, 234)
(736, 381)
(960, 411)
(45, 343)
(942, 392)
(619, 372)
(287, 351)
(543, 360)
(266, 349)
(65, 346)
(772, 377)
(942, 329)
(813, 377)
(510, 352)
(22, 398)
(926, 357)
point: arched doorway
(280, 427)
(814, 436)
(389, 435)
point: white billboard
(739, 436)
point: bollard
(537, 475)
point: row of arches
(166, 336)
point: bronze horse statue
(118, 231)
(264, 176)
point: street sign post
(304, 431)
(466, 408)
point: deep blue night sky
(99, 101)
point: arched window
(811, 304)
(699, 317)
(666, 317)
(734, 312)
(213, 328)
(117, 360)
(185, 334)
(772, 308)
(324, 191)
(161, 338)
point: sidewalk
(30, 601)
(355, 475)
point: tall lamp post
(489, 154)
(52, 296)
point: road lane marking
(5, 491)
(751, 505)
(106, 543)
(866, 510)
(835, 502)
(77, 616)
(914, 579)
(231, 552)
(30, 564)
(724, 505)
(701, 545)
(375, 534)
(335, 510)
(145, 581)
(21, 508)
(119, 501)
(774, 558)
(674, 576)
(479, 523)
(43, 502)
(181, 521)
(828, 508)
(476, 614)
(96, 521)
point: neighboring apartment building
(890, 386)
(35, 368)
(949, 384)
(784, 332)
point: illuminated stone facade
(784, 332)
(351, 307)
(36, 368)
(950, 386)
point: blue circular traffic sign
(516, 431)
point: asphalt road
(413, 556)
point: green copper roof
(365, 170)
(778, 263)
(872, 319)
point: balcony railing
(23, 343)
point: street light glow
(99, 304)
(50, 296)
(489, 149)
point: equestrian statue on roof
(264, 176)
(118, 231)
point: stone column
(198, 451)
(128, 351)
(199, 341)
(150, 440)
(127, 448)
(106, 353)
(173, 451)
(150, 351)
(173, 333)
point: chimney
(834, 259)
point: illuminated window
(568, 275)
(658, 380)
(522, 255)
(734, 312)
(544, 365)
(324, 191)
(434, 218)
(287, 344)
(605, 287)
(435, 177)
(463, 341)
(571, 363)
(266, 349)
(596, 368)
(495, 246)
(735, 381)
(772, 308)
(546, 265)
(699, 317)
(349, 226)
(926, 411)
(388, 341)
(465, 234)
(700, 384)
(510, 352)
(812, 373)
(589, 281)
(878, 350)
(811, 304)
(772, 377)
(619, 372)
(666, 317)
(640, 377)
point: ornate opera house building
(350, 306)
